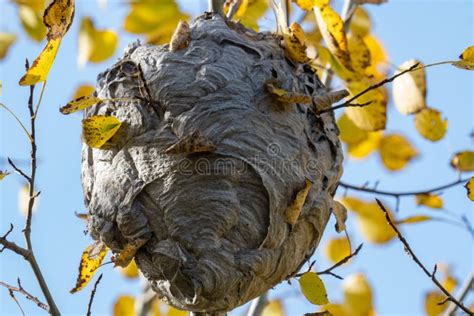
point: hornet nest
(198, 182)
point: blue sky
(428, 30)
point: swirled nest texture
(211, 225)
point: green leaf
(313, 288)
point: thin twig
(22, 291)
(17, 119)
(344, 105)
(467, 286)
(12, 295)
(400, 194)
(27, 253)
(89, 307)
(377, 85)
(341, 262)
(412, 255)
(18, 170)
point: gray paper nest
(212, 223)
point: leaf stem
(17, 119)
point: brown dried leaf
(124, 257)
(181, 37)
(192, 143)
(293, 211)
(288, 96)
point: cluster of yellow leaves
(395, 150)
(6, 40)
(58, 18)
(125, 306)
(91, 260)
(249, 12)
(357, 299)
(155, 19)
(463, 161)
(98, 129)
(95, 45)
(313, 288)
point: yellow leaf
(431, 303)
(378, 68)
(360, 54)
(97, 130)
(3, 174)
(466, 59)
(470, 188)
(6, 40)
(288, 96)
(349, 132)
(337, 249)
(430, 200)
(83, 90)
(124, 306)
(181, 37)
(360, 22)
(449, 282)
(95, 45)
(340, 212)
(58, 17)
(463, 161)
(414, 219)
(366, 147)
(409, 90)
(39, 70)
(295, 44)
(313, 288)
(91, 260)
(372, 117)
(430, 125)
(80, 103)
(332, 30)
(370, 220)
(334, 310)
(273, 308)
(357, 295)
(396, 151)
(155, 19)
(125, 256)
(31, 19)
(294, 209)
(130, 271)
(310, 4)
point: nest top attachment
(217, 188)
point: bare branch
(12, 295)
(341, 262)
(22, 291)
(89, 307)
(467, 286)
(400, 194)
(18, 170)
(410, 252)
(344, 105)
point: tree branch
(467, 286)
(18, 170)
(233, 8)
(400, 194)
(22, 291)
(89, 307)
(410, 252)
